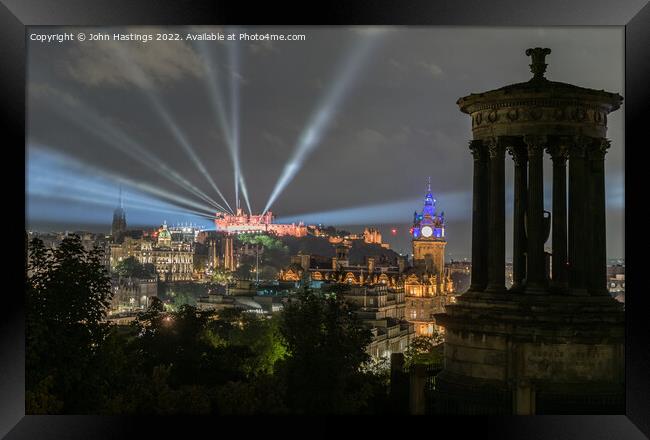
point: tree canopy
(131, 267)
(223, 276)
(68, 291)
(308, 359)
(426, 350)
(274, 252)
(326, 345)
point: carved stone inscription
(569, 362)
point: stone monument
(553, 342)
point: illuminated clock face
(427, 231)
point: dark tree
(326, 344)
(243, 272)
(68, 292)
(426, 350)
(189, 343)
(263, 337)
(131, 267)
(310, 360)
(336, 288)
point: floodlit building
(382, 310)
(173, 260)
(241, 222)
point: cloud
(371, 141)
(44, 91)
(370, 30)
(279, 145)
(239, 77)
(97, 63)
(370, 136)
(262, 47)
(396, 64)
(317, 83)
(432, 68)
(615, 192)
(454, 203)
(198, 29)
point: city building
(240, 222)
(460, 274)
(375, 287)
(257, 304)
(372, 236)
(427, 283)
(219, 247)
(186, 232)
(131, 294)
(218, 302)
(173, 260)
(339, 270)
(382, 310)
(423, 288)
(554, 342)
(369, 236)
(616, 280)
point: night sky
(371, 111)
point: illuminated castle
(247, 223)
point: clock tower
(428, 237)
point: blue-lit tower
(428, 234)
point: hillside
(320, 246)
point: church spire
(121, 203)
(429, 202)
(118, 227)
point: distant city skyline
(355, 120)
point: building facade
(376, 288)
(382, 310)
(340, 270)
(132, 294)
(173, 260)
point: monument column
(578, 221)
(520, 158)
(536, 276)
(479, 215)
(597, 271)
(559, 154)
(496, 224)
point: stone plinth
(525, 354)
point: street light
(257, 265)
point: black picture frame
(15, 15)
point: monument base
(513, 353)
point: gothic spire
(429, 202)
